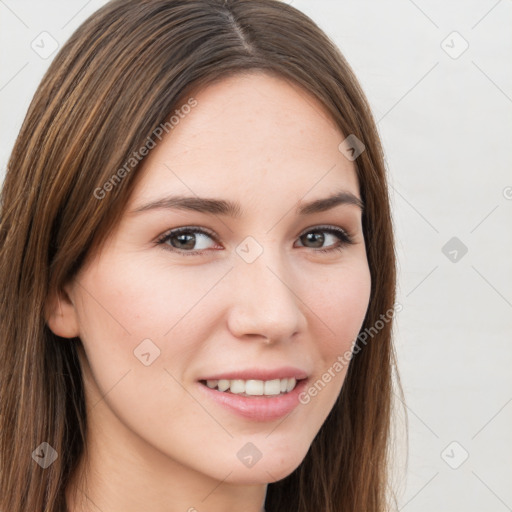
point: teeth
(222, 384)
(291, 384)
(254, 387)
(237, 386)
(272, 387)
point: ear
(61, 316)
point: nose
(264, 304)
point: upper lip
(285, 372)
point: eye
(183, 239)
(318, 238)
(191, 240)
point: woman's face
(255, 293)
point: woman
(196, 242)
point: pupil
(189, 241)
(319, 238)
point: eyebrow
(233, 209)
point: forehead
(250, 135)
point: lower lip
(257, 408)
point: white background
(446, 124)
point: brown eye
(193, 241)
(317, 238)
(189, 241)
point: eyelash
(344, 237)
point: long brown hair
(121, 75)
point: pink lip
(257, 408)
(285, 372)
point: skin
(155, 442)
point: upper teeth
(254, 387)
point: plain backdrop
(439, 80)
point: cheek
(147, 319)
(341, 305)
(140, 329)
(134, 297)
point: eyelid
(188, 228)
(328, 227)
(314, 227)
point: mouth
(254, 399)
(253, 388)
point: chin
(271, 470)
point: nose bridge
(263, 300)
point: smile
(253, 387)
